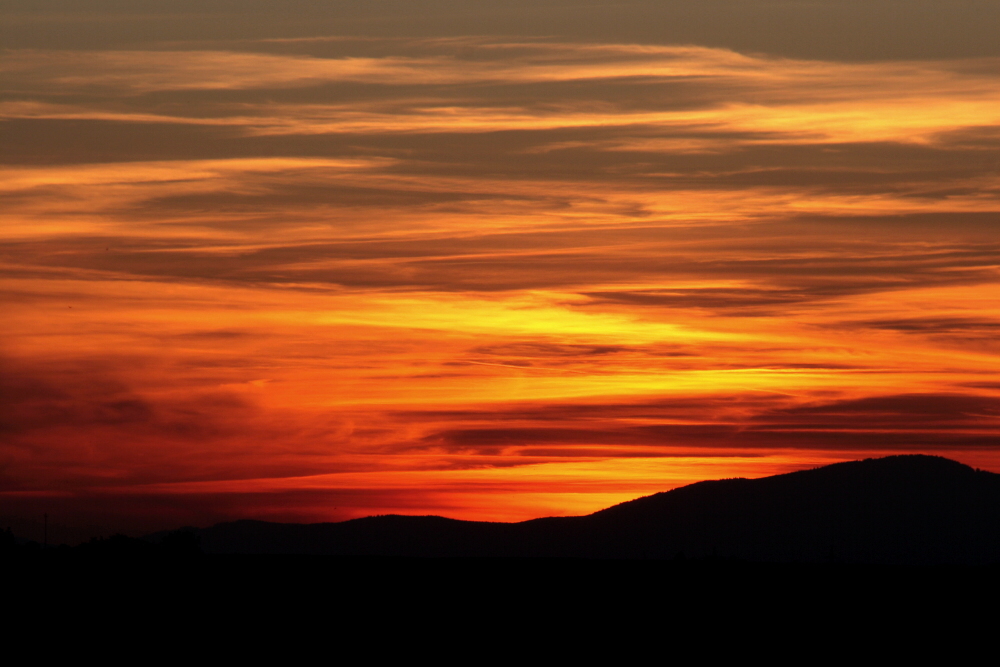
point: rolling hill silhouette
(900, 510)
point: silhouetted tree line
(181, 543)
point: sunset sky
(310, 261)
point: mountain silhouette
(896, 510)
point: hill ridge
(898, 509)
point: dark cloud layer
(935, 421)
(831, 29)
(501, 263)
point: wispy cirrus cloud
(778, 99)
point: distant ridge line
(904, 509)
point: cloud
(938, 325)
(927, 422)
(827, 29)
(781, 100)
(515, 276)
(71, 425)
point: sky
(312, 261)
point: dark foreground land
(431, 605)
(899, 510)
(871, 550)
(290, 609)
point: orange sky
(315, 273)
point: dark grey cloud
(780, 270)
(86, 394)
(835, 29)
(966, 326)
(746, 299)
(904, 412)
(912, 421)
(672, 408)
(56, 141)
(549, 350)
